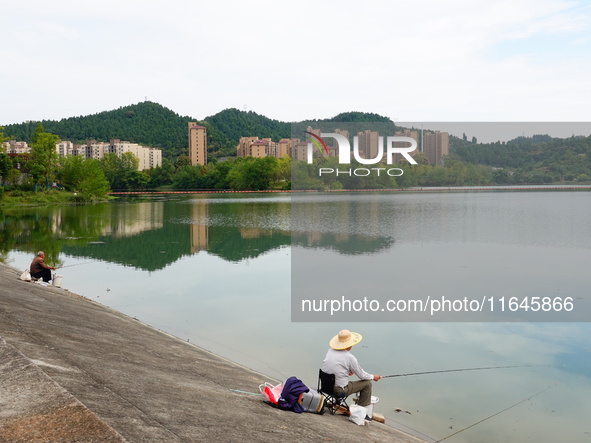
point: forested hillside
(234, 124)
(146, 123)
(151, 124)
(154, 125)
(537, 159)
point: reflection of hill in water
(149, 250)
(156, 249)
(152, 235)
(235, 244)
(347, 244)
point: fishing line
(459, 370)
(78, 264)
(245, 392)
(415, 431)
(495, 414)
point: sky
(452, 61)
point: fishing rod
(78, 264)
(495, 414)
(458, 370)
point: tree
(44, 156)
(117, 169)
(182, 160)
(161, 175)
(254, 174)
(188, 177)
(13, 176)
(5, 166)
(137, 180)
(84, 176)
(94, 182)
(3, 138)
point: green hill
(539, 159)
(146, 123)
(151, 124)
(536, 159)
(234, 124)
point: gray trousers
(361, 386)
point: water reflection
(224, 269)
(153, 234)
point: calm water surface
(216, 270)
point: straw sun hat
(345, 339)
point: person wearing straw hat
(340, 362)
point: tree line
(94, 178)
(537, 159)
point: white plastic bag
(26, 275)
(358, 414)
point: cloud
(424, 60)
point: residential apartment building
(95, 150)
(15, 147)
(243, 148)
(435, 146)
(255, 147)
(197, 144)
(148, 157)
(368, 144)
(283, 148)
(300, 151)
(343, 132)
(65, 148)
(406, 133)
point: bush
(1, 192)
(80, 198)
(24, 187)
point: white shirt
(341, 364)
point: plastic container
(57, 280)
(369, 407)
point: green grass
(17, 197)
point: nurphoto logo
(394, 145)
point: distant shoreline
(415, 189)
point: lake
(225, 271)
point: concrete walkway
(72, 370)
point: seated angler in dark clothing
(39, 269)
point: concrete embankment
(72, 370)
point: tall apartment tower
(436, 145)
(197, 144)
(368, 144)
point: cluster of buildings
(434, 145)
(148, 157)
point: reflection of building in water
(341, 237)
(344, 217)
(117, 221)
(253, 232)
(199, 228)
(133, 219)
